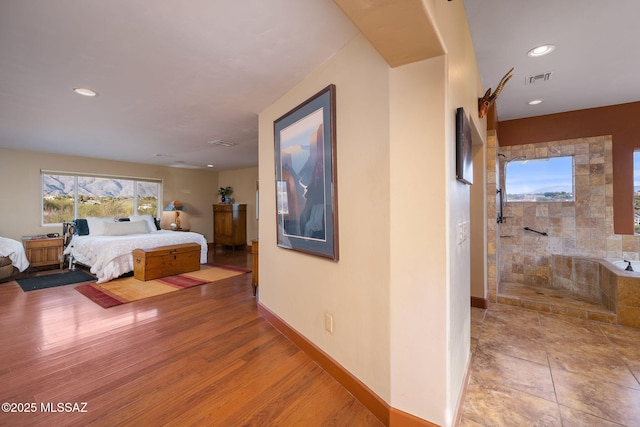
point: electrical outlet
(328, 322)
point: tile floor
(531, 368)
(559, 301)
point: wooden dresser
(230, 225)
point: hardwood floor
(200, 356)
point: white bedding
(112, 256)
(15, 251)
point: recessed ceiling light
(541, 50)
(209, 166)
(535, 102)
(84, 91)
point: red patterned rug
(128, 289)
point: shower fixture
(503, 177)
(544, 233)
(515, 159)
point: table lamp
(176, 206)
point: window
(636, 191)
(539, 180)
(66, 196)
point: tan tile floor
(559, 301)
(532, 368)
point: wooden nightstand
(42, 252)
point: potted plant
(224, 192)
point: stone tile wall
(627, 301)
(580, 228)
(578, 275)
(493, 242)
(609, 288)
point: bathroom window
(539, 180)
(636, 191)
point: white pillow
(96, 225)
(151, 224)
(125, 228)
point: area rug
(53, 280)
(128, 289)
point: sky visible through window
(636, 171)
(539, 176)
(636, 188)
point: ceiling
(171, 76)
(176, 76)
(595, 63)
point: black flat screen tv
(464, 157)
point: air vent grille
(222, 143)
(538, 78)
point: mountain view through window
(66, 197)
(540, 180)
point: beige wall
(479, 224)
(400, 291)
(462, 88)
(243, 182)
(419, 255)
(300, 288)
(20, 173)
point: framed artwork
(306, 190)
(464, 155)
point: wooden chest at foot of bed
(149, 264)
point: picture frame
(306, 181)
(464, 150)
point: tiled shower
(583, 228)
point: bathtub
(605, 281)
(623, 264)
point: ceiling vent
(222, 143)
(538, 78)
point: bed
(13, 258)
(106, 246)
